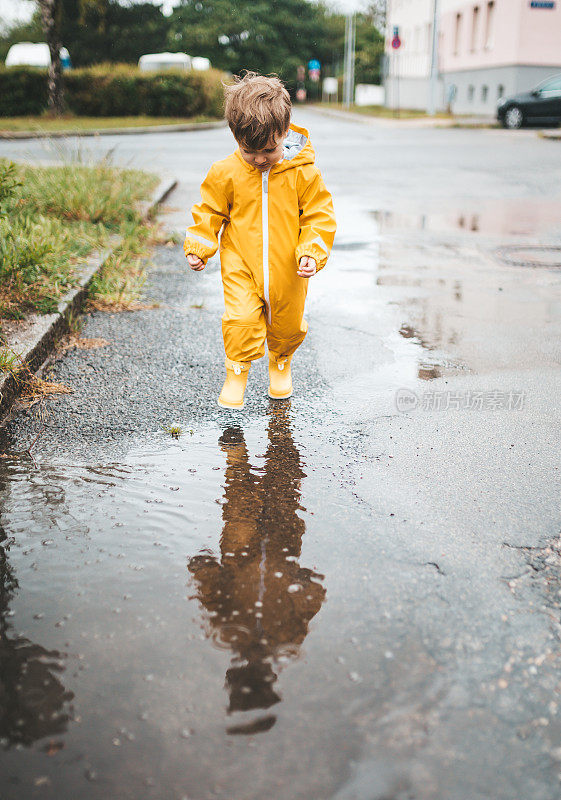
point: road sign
(396, 42)
(314, 64)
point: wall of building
(477, 91)
(491, 33)
(504, 46)
(412, 93)
(414, 19)
(540, 35)
(480, 34)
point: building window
(475, 28)
(484, 93)
(500, 91)
(490, 25)
(471, 92)
(457, 34)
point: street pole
(433, 80)
(345, 59)
(349, 77)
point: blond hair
(257, 108)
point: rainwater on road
(354, 594)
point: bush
(114, 91)
(23, 91)
(50, 218)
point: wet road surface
(351, 594)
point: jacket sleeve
(317, 221)
(209, 216)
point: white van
(161, 61)
(200, 63)
(29, 54)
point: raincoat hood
(297, 151)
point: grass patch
(31, 388)
(119, 285)
(9, 361)
(51, 218)
(383, 111)
(69, 123)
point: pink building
(486, 49)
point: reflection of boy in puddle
(259, 600)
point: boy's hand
(195, 262)
(307, 267)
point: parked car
(35, 54)
(540, 105)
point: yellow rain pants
(269, 220)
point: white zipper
(265, 232)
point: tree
(104, 30)
(50, 17)
(253, 34)
(369, 47)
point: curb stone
(184, 126)
(33, 339)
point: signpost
(300, 85)
(330, 88)
(396, 44)
(433, 79)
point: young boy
(278, 226)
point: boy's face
(264, 159)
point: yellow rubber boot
(280, 378)
(233, 390)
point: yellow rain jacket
(269, 220)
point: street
(354, 594)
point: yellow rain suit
(269, 220)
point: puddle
(126, 587)
(496, 217)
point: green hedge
(114, 91)
(22, 92)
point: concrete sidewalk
(34, 337)
(411, 122)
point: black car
(541, 105)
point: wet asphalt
(354, 594)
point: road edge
(184, 126)
(39, 339)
